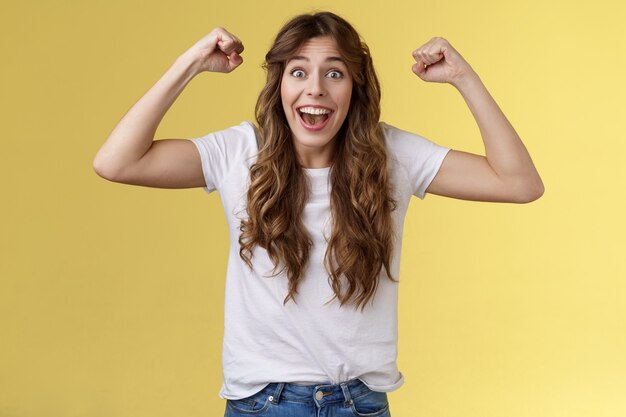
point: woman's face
(315, 90)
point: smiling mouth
(314, 116)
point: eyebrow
(329, 59)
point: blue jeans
(345, 399)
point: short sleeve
(419, 157)
(222, 150)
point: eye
(335, 74)
(298, 73)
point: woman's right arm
(130, 154)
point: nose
(315, 87)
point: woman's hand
(217, 52)
(437, 61)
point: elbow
(535, 195)
(103, 170)
(531, 192)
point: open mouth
(314, 118)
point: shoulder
(418, 159)
(240, 139)
(226, 153)
(405, 145)
(400, 140)
(244, 131)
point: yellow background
(111, 298)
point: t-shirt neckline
(317, 171)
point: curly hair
(361, 241)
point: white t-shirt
(308, 342)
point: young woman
(315, 196)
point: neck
(313, 157)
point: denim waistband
(318, 393)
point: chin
(313, 141)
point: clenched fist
(219, 51)
(437, 61)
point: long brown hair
(361, 241)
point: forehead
(318, 49)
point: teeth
(314, 110)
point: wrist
(189, 63)
(466, 81)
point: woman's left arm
(506, 173)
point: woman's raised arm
(506, 173)
(130, 154)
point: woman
(315, 198)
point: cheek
(282, 92)
(285, 103)
(345, 98)
(286, 96)
(346, 93)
